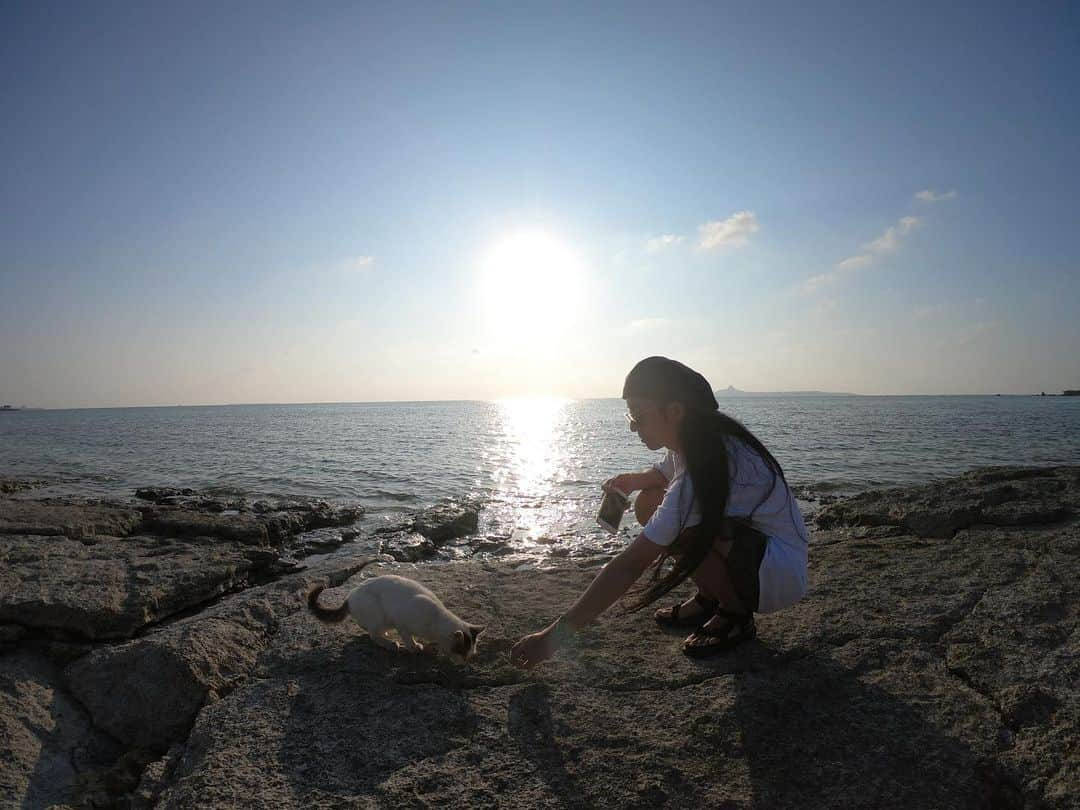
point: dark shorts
(743, 560)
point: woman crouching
(718, 505)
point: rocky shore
(157, 653)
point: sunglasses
(636, 419)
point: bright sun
(531, 280)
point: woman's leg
(644, 506)
(713, 580)
(729, 574)
(711, 577)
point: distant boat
(1071, 394)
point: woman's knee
(646, 503)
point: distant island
(732, 391)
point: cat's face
(463, 643)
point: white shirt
(782, 574)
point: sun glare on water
(530, 427)
(534, 458)
(531, 281)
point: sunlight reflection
(531, 429)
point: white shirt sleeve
(666, 466)
(677, 511)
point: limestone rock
(162, 494)
(262, 528)
(920, 671)
(9, 485)
(60, 518)
(47, 741)
(181, 522)
(446, 522)
(95, 570)
(146, 692)
(58, 587)
(818, 712)
(997, 496)
(408, 547)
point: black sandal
(706, 641)
(672, 619)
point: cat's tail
(325, 614)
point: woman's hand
(534, 649)
(625, 483)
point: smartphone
(612, 508)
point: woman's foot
(724, 631)
(691, 613)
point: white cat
(389, 602)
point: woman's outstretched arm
(613, 581)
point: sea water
(535, 465)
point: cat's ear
(459, 646)
(476, 629)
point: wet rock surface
(921, 671)
(431, 531)
(10, 485)
(447, 521)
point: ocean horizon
(721, 395)
(535, 465)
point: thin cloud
(644, 324)
(886, 243)
(356, 264)
(663, 241)
(931, 196)
(735, 230)
(855, 262)
(817, 282)
(890, 240)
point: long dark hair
(704, 434)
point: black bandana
(664, 380)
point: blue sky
(297, 204)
